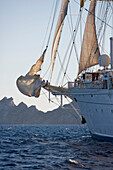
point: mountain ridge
(22, 114)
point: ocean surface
(50, 147)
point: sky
(23, 24)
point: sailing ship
(92, 89)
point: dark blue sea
(50, 147)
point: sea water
(51, 147)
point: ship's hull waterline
(96, 106)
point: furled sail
(82, 2)
(31, 83)
(89, 51)
(63, 13)
(37, 67)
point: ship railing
(85, 84)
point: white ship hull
(96, 106)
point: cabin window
(83, 76)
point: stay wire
(74, 108)
(56, 5)
(50, 99)
(71, 31)
(94, 15)
(48, 28)
(67, 63)
(53, 21)
(73, 35)
(71, 51)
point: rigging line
(62, 69)
(102, 36)
(67, 77)
(101, 23)
(94, 15)
(56, 5)
(50, 99)
(43, 93)
(68, 62)
(104, 49)
(53, 21)
(105, 26)
(99, 19)
(48, 27)
(57, 100)
(70, 19)
(74, 108)
(69, 57)
(74, 35)
(59, 75)
(99, 13)
(46, 71)
(71, 30)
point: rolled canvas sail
(89, 51)
(30, 84)
(82, 2)
(37, 67)
(63, 13)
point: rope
(46, 71)
(55, 9)
(71, 30)
(74, 108)
(48, 28)
(95, 15)
(73, 36)
(49, 99)
(52, 21)
(68, 62)
(73, 45)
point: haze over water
(52, 147)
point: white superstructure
(95, 100)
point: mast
(111, 51)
